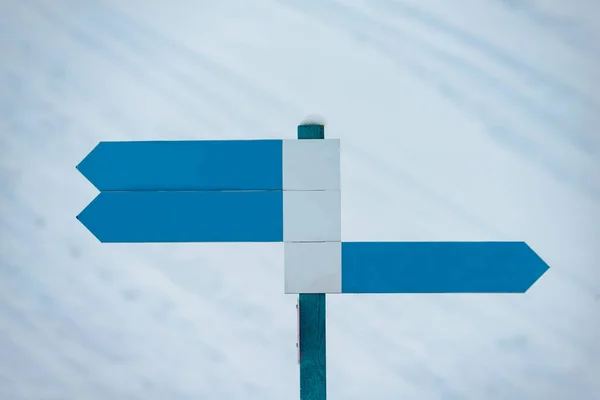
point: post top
(311, 130)
(311, 124)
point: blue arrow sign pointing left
(185, 165)
(211, 216)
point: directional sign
(185, 165)
(280, 191)
(410, 267)
(202, 216)
(283, 191)
(439, 267)
(213, 165)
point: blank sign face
(312, 216)
(311, 164)
(313, 267)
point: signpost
(312, 326)
(283, 191)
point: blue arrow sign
(211, 216)
(185, 165)
(439, 267)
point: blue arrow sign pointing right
(439, 267)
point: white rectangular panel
(312, 216)
(313, 267)
(311, 164)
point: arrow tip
(86, 218)
(536, 265)
(87, 167)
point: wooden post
(313, 378)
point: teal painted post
(313, 378)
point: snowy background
(462, 120)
